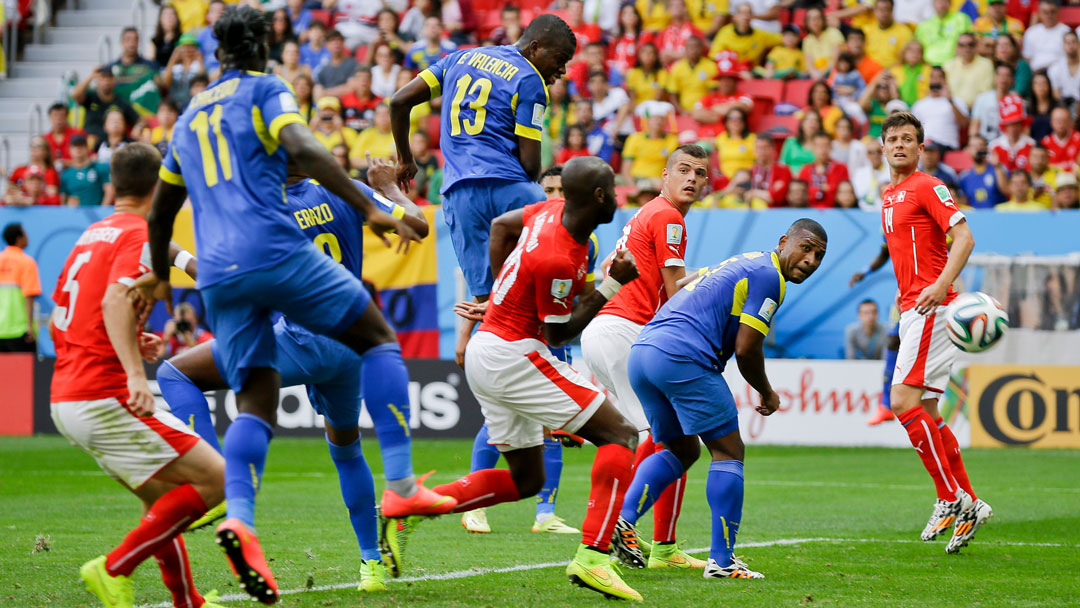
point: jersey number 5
(482, 89)
(201, 125)
(63, 315)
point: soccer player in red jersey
(523, 389)
(917, 214)
(656, 237)
(101, 401)
(1063, 142)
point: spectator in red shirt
(1063, 142)
(769, 180)
(823, 176)
(630, 38)
(714, 106)
(573, 145)
(594, 59)
(672, 40)
(33, 191)
(40, 158)
(59, 136)
(359, 103)
(1013, 148)
(585, 32)
(182, 332)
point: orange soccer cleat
(246, 558)
(424, 502)
(881, 415)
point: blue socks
(484, 456)
(890, 368)
(358, 490)
(545, 500)
(246, 444)
(386, 396)
(187, 402)
(652, 477)
(724, 491)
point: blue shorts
(330, 370)
(680, 397)
(313, 290)
(469, 208)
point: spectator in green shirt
(85, 183)
(939, 34)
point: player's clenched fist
(623, 268)
(769, 403)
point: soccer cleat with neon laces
(945, 513)
(737, 569)
(113, 591)
(883, 414)
(208, 518)
(624, 544)
(372, 576)
(423, 502)
(554, 525)
(210, 600)
(967, 524)
(246, 558)
(595, 571)
(475, 521)
(669, 555)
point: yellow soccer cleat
(594, 570)
(554, 525)
(476, 521)
(669, 555)
(113, 591)
(208, 518)
(210, 600)
(372, 576)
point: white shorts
(523, 389)
(129, 448)
(605, 345)
(926, 354)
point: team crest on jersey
(674, 234)
(768, 307)
(943, 195)
(538, 115)
(560, 288)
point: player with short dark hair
(917, 216)
(101, 401)
(656, 237)
(676, 368)
(228, 153)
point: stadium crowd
(788, 96)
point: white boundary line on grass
(456, 574)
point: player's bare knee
(528, 483)
(688, 451)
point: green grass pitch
(828, 527)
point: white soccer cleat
(624, 545)
(475, 521)
(554, 524)
(737, 569)
(967, 524)
(945, 513)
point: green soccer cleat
(669, 555)
(113, 591)
(210, 600)
(554, 525)
(645, 546)
(372, 576)
(476, 521)
(394, 535)
(208, 518)
(595, 571)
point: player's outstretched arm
(750, 355)
(962, 244)
(401, 104)
(505, 231)
(120, 324)
(874, 265)
(382, 175)
(623, 270)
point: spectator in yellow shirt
(645, 153)
(751, 44)
(1021, 199)
(996, 22)
(735, 146)
(707, 15)
(328, 127)
(192, 13)
(736, 195)
(821, 44)
(691, 78)
(654, 14)
(913, 75)
(787, 60)
(885, 38)
(647, 79)
(376, 140)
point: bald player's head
(548, 43)
(589, 185)
(801, 250)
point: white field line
(447, 576)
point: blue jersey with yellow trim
(491, 95)
(225, 151)
(701, 320)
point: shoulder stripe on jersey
(269, 144)
(285, 119)
(543, 83)
(432, 82)
(513, 103)
(529, 132)
(783, 284)
(171, 178)
(754, 322)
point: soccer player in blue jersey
(676, 370)
(494, 100)
(228, 154)
(325, 365)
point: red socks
(666, 511)
(925, 438)
(172, 559)
(956, 463)
(610, 479)
(481, 489)
(167, 518)
(644, 450)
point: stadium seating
(764, 88)
(797, 91)
(959, 160)
(779, 126)
(1070, 16)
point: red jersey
(713, 101)
(915, 215)
(566, 154)
(623, 50)
(822, 185)
(61, 147)
(113, 250)
(656, 237)
(673, 38)
(774, 179)
(1063, 153)
(19, 175)
(1013, 157)
(538, 281)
